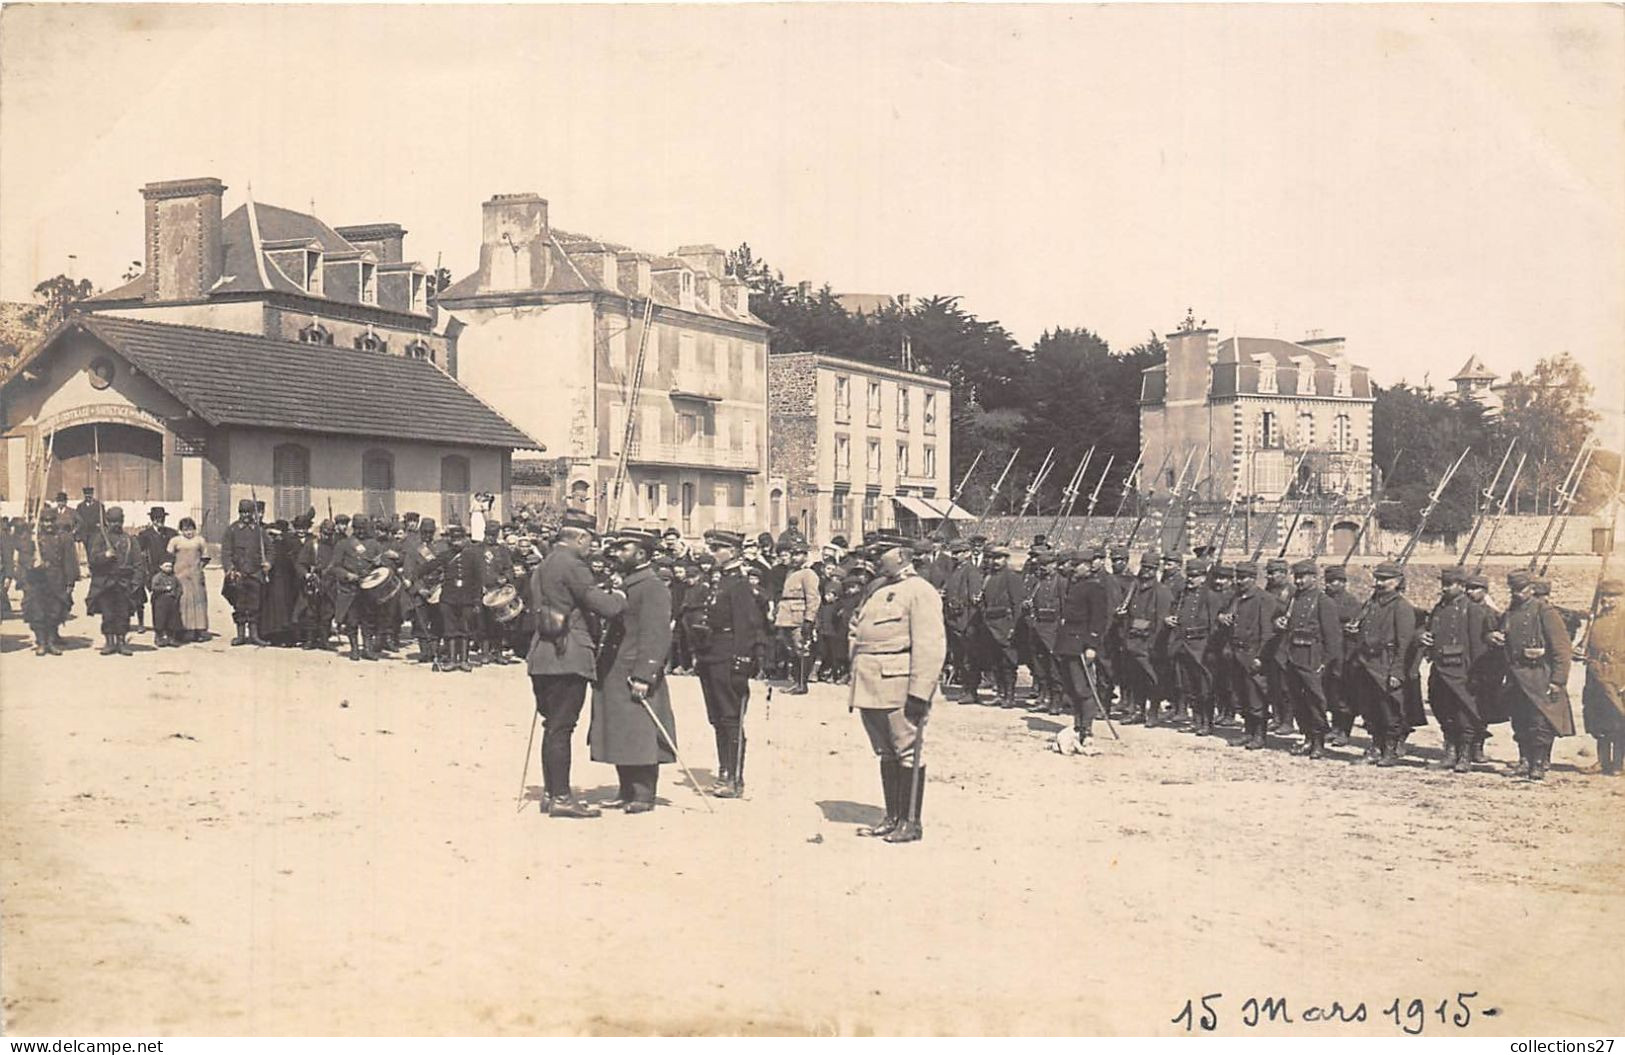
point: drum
(381, 585)
(434, 594)
(504, 602)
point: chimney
(633, 274)
(1330, 346)
(598, 263)
(514, 242)
(705, 289)
(185, 253)
(735, 296)
(1190, 358)
(704, 259)
(384, 239)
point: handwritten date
(1413, 1016)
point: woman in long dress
(188, 551)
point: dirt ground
(217, 840)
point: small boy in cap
(166, 605)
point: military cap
(1194, 568)
(342, 519)
(325, 527)
(1040, 540)
(1246, 569)
(1277, 564)
(360, 520)
(87, 490)
(259, 505)
(1150, 557)
(718, 537)
(157, 513)
(1119, 553)
(1388, 570)
(47, 515)
(642, 537)
(671, 532)
(1518, 579)
(1170, 558)
(280, 525)
(579, 518)
(1305, 567)
(245, 505)
(1337, 573)
(1611, 588)
(1543, 587)
(765, 540)
(997, 550)
(840, 540)
(959, 546)
(426, 524)
(705, 560)
(410, 517)
(1450, 574)
(1202, 551)
(1478, 581)
(1225, 571)
(455, 530)
(493, 528)
(978, 540)
(114, 515)
(881, 541)
(1066, 556)
(1039, 558)
(304, 520)
(862, 567)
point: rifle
(1094, 496)
(1488, 495)
(965, 480)
(1264, 539)
(1427, 510)
(1584, 455)
(259, 524)
(1495, 522)
(1179, 482)
(1128, 481)
(1178, 548)
(1297, 510)
(1221, 531)
(993, 492)
(45, 482)
(1567, 507)
(1069, 493)
(1032, 489)
(1584, 629)
(1376, 500)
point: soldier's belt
(1522, 661)
(1192, 633)
(995, 613)
(1375, 650)
(893, 652)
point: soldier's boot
(1614, 764)
(1389, 755)
(355, 645)
(53, 643)
(109, 648)
(1153, 712)
(1478, 757)
(254, 637)
(1464, 755)
(722, 787)
(462, 657)
(241, 638)
(1317, 746)
(141, 620)
(123, 642)
(1539, 759)
(1401, 744)
(888, 785)
(1447, 759)
(911, 805)
(1259, 739)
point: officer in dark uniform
(1001, 600)
(1603, 699)
(419, 577)
(496, 569)
(1143, 614)
(1312, 640)
(352, 560)
(1538, 655)
(459, 569)
(1190, 626)
(1455, 637)
(735, 641)
(1043, 618)
(1250, 622)
(313, 612)
(1488, 673)
(1119, 581)
(245, 555)
(1278, 583)
(959, 609)
(1221, 587)
(115, 563)
(1079, 639)
(1387, 625)
(1338, 698)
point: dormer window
(1266, 373)
(315, 333)
(371, 342)
(1306, 375)
(369, 283)
(685, 286)
(417, 292)
(1342, 384)
(313, 274)
(419, 349)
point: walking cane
(671, 743)
(1105, 711)
(739, 752)
(525, 773)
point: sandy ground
(236, 841)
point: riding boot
(1374, 750)
(42, 641)
(889, 788)
(1464, 755)
(1479, 758)
(911, 805)
(722, 787)
(1448, 759)
(1389, 755)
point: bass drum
(381, 585)
(504, 602)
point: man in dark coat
(460, 569)
(959, 612)
(1455, 638)
(47, 567)
(1489, 672)
(496, 569)
(88, 516)
(419, 577)
(1002, 596)
(562, 659)
(1338, 698)
(1079, 638)
(633, 662)
(115, 563)
(1249, 621)
(1144, 614)
(1387, 628)
(1538, 655)
(314, 609)
(1603, 699)
(1221, 587)
(1043, 619)
(153, 541)
(353, 558)
(1191, 626)
(1312, 639)
(1278, 583)
(245, 557)
(281, 593)
(735, 641)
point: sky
(1429, 182)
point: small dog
(1066, 742)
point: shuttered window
(290, 473)
(378, 483)
(454, 490)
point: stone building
(1260, 402)
(858, 447)
(1476, 382)
(548, 329)
(195, 419)
(278, 273)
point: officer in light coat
(898, 646)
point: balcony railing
(696, 385)
(702, 455)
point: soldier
(1312, 638)
(496, 569)
(1221, 587)
(314, 610)
(459, 569)
(48, 568)
(419, 577)
(681, 660)
(1191, 626)
(1538, 655)
(1163, 643)
(1118, 581)
(1000, 604)
(1338, 698)
(959, 609)
(1079, 638)
(1143, 613)
(352, 560)
(732, 652)
(1456, 637)
(153, 541)
(245, 557)
(796, 615)
(562, 654)
(115, 563)
(1603, 699)
(1278, 583)
(1249, 621)
(898, 645)
(1387, 624)
(633, 659)
(1488, 674)
(1043, 616)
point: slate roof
(1475, 370)
(1235, 371)
(242, 379)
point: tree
(58, 295)
(1549, 411)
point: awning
(932, 508)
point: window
(929, 418)
(617, 427)
(313, 275)
(929, 469)
(1341, 385)
(870, 511)
(747, 368)
(689, 501)
(1306, 375)
(371, 342)
(378, 483)
(874, 461)
(369, 283)
(902, 460)
(837, 513)
(843, 399)
(902, 408)
(419, 349)
(843, 458)
(1306, 428)
(290, 476)
(648, 428)
(873, 406)
(651, 501)
(1268, 431)
(315, 333)
(1266, 373)
(454, 490)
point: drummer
(496, 571)
(419, 583)
(460, 594)
(353, 560)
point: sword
(1100, 705)
(672, 743)
(524, 773)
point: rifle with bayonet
(1265, 539)
(1427, 510)
(1221, 531)
(1128, 484)
(1182, 525)
(1565, 505)
(993, 492)
(1371, 510)
(1297, 509)
(1069, 493)
(1032, 489)
(1094, 496)
(1488, 496)
(1584, 628)
(1142, 501)
(1145, 506)
(1495, 521)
